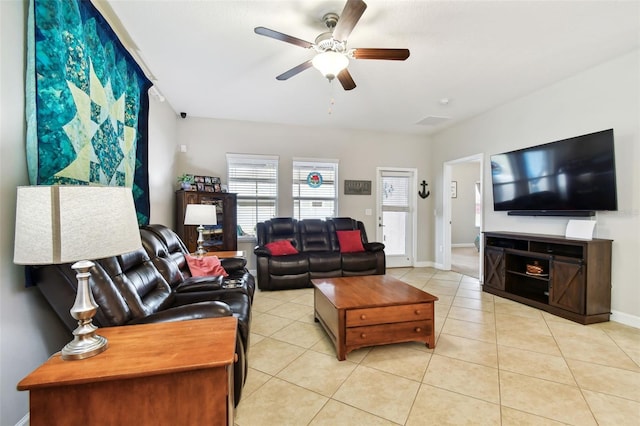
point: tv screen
(570, 175)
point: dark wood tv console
(574, 281)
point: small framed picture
(224, 188)
(217, 187)
(198, 179)
(215, 180)
(200, 186)
(207, 180)
(209, 188)
(454, 189)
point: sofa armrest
(210, 309)
(262, 251)
(232, 264)
(373, 247)
(200, 284)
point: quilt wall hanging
(87, 102)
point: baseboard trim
(626, 319)
(423, 264)
(462, 245)
(23, 421)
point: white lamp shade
(64, 224)
(200, 214)
(330, 63)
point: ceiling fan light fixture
(330, 63)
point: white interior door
(396, 215)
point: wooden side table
(164, 373)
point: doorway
(396, 213)
(463, 215)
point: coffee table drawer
(389, 314)
(388, 333)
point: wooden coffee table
(372, 310)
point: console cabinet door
(494, 265)
(567, 288)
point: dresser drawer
(389, 314)
(389, 333)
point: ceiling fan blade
(388, 54)
(282, 37)
(295, 70)
(349, 17)
(346, 80)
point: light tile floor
(496, 362)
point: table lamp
(200, 215)
(64, 224)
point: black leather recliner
(130, 289)
(318, 254)
(167, 252)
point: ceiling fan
(332, 57)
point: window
(255, 179)
(396, 211)
(315, 188)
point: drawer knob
(418, 329)
(417, 311)
(363, 316)
(363, 335)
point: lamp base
(200, 251)
(82, 347)
(86, 343)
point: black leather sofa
(319, 254)
(150, 285)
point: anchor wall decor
(424, 193)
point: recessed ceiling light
(444, 101)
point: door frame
(446, 208)
(413, 205)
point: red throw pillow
(205, 266)
(350, 241)
(281, 248)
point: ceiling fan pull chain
(332, 100)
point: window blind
(254, 178)
(311, 201)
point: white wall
(359, 153)
(463, 207)
(606, 96)
(24, 342)
(29, 329)
(162, 162)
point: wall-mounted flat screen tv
(575, 176)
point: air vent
(433, 120)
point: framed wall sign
(454, 189)
(357, 187)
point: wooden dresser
(165, 373)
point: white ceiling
(207, 61)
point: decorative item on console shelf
(207, 183)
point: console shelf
(573, 282)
